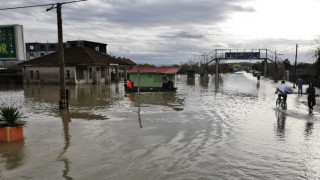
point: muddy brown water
(207, 129)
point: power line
(40, 5)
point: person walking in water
(258, 77)
(299, 83)
(311, 91)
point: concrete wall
(47, 75)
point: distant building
(151, 77)
(36, 49)
(83, 65)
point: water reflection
(217, 82)
(204, 81)
(139, 115)
(191, 81)
(281, 124)
(258, 84)
(309, 128)
(82, 98)
(169, 99)
(79, 95)
(65, 121)
(11, 87)
(12, 153)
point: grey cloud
(183, 34)
(156, 13)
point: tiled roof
(163, 70)
(74, 56)
(128, 61)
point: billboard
(11, 43)
(242, 55)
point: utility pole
(63, 103)
(295, 62)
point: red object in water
(9, 134)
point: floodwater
(229, 129)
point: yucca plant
(10, 117)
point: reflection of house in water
(169, 99)
(81, 98)
(83, 65)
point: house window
(42, 54)
(31, 47)
(97, 48)
(37, 75)
(31, 54)
(31, 74)
(68, 74)
(79, 73)
(102, 72)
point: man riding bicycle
(283, 90)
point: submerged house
(82, 66)
(151, 77)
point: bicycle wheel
(283, 105)
(278, 102)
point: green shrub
(10, 117)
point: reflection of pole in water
(139, 116)
(65, 121)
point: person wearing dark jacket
(299, 83)
(311, 91)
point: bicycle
(281, 103)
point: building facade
(82, 66)
(36, 49)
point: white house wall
(50, 75)
(47, 75)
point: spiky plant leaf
(10, 116)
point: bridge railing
(242, 54)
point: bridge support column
(217, 68)
(265, 67)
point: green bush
(10, 117)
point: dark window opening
(31, 74)
(37, 75)
(68, 74)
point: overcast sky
(174, 31)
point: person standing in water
(311, 91)
(299, 83)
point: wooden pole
(138, 81)
(295, 63)
(63, 101)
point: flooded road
(205, 130)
